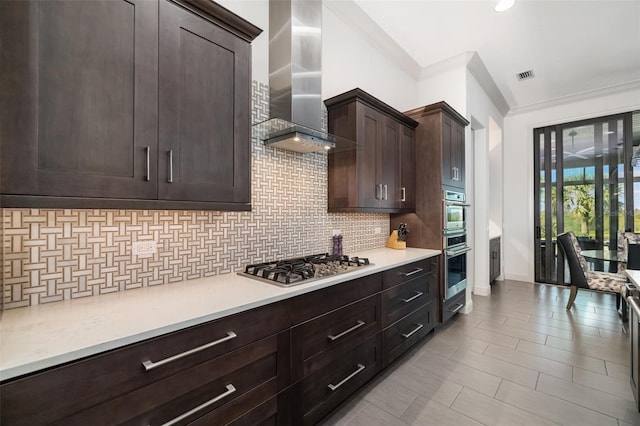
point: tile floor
(517, 359)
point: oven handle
(456, 203)
(454, 232)
(452, 253)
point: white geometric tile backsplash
(51, 255)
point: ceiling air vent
(525, 75)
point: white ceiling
(572, 47)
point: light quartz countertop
(43, 336)
(634, 277)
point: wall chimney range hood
(295, 78)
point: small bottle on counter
(337, 245)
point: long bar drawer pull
(355, 327)
(230, 389)
(346, 379)
(412, 298)
(415, 271)
(457, 308)
(412, 332)
(150, 365)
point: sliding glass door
(583, 183)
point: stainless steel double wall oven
(455, 243)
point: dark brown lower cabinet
(494, 261)
(116, 387)
(221, 388)
(452, 306)
(409, 306)
(403, 334)
(324, 389)
(288, 363)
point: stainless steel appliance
(295, 79)
(301, 270)
(454, 212)
(455, 268)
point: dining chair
(626, 239)
(582, 277)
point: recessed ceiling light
(504, 5)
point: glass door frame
(543, 134)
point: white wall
(350, 59)
(486, 121)
(444, 84)
(496, 179)
(518, 167)
(256, 12)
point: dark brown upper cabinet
(441, 144)
(408, 169)
(439, 147)
(371, 169)
(448, 129)
(125, 104)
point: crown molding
(610, 90)
(472, 62)
(445, 65)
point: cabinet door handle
(346, 379)
(412, 332)
(344, 333)
(170, 174)
(230, 389)
(403, 191)
(150, 365)
(385, 192)
(412, 298)
(415, 271)
(147, 164)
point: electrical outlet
(377, 230)
(143, 247)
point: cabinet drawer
(404, 273)
(310, 305)
(322, 391)
(38, 399)
(224, 387)
(399, 337)
(344, 327)
(452, 306)
(402, 299)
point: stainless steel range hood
(295, 78)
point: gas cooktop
(299, 270)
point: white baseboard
(517, 277)
(482, 291)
